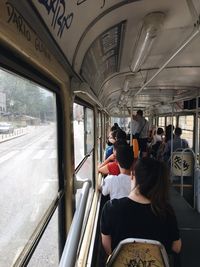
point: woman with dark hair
(115, 127)
(110, 165)
(113, 137)
(110, 142)
(145, 213)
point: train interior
(119, 56)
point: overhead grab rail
(188, 40)
(69, 254)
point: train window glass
(161, 121)
(171, 120)
(28, 161)
(199, 137)
(154, 121)
(47, 251)
(104, 131)
(122, 122)
(99, 136)
(89, 117)
(186, 123)
(78, 122)
(86, 170)
(107, 123)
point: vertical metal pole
(131, 126)
(197, 131)
(172, 138)
(196, 158)
(182, 173)
(124, 116)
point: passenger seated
(118, 186)
(178, 142)
(156, 143)
(145, 213)
(110, 165)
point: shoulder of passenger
(110, 177)
(117, 202)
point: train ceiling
(139, 53)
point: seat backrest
(132, 252)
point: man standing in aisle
(141, 132)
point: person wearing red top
(110, 165)
(113, 168)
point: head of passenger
(139, 113)
(160, 131)
(124, 156)
(178, 131)
(152, 181)
(115, 127)
(112, 137)
(120, 142)
(120, 134)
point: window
(79, 152)
(28, 161)
(186, 123)
(154, 121)
(161, 122)
(49, 240)
(83, 139)
(104, 130)
(171, 120)
(123, 122)
(89, 131)
(99, 137)
(83, 144)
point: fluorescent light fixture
(152, 23)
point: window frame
(87, 154)
(10, 62)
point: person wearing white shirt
(118, 186)
(158, 137)
(141, 132)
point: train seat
(138, 252)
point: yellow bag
(135, 148)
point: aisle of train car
(188, 221)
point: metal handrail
(83, 161)
(69, 254)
